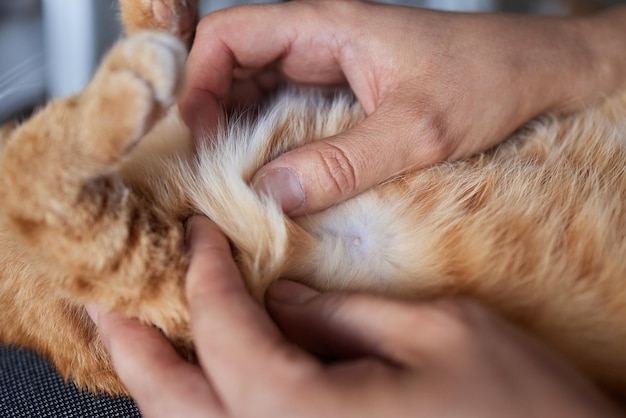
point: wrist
(564, 64)
(605, 37)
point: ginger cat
(95, 188)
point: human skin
(435, 86)
(444, 358)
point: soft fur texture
(95, 188)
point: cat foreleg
(63, 199)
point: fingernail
(283, 185)
(92, 311)
(286, 292)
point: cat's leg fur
(63, 200)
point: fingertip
(198, 222)
(200, 231)
(283, 185)
(211, 262)
(328, 171)
(114, 328)
(149, 366)
(127, 339)
(201, 111)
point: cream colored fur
(535, 228)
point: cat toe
(139, 80)
(159, 60)
(177, 17)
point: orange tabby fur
(93, 197)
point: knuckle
(337, 173)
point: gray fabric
(30, 387)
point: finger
(237, 344)
(202, 111)
(221, 47)
(323, 173)
(250, 89)
(271, 33)
(340, 325)
(160, 382)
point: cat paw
(177, 17)
(156, 59)
(136, 84)
(149, 64)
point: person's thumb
(325, 172)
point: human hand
(434, 85)
(438, 359)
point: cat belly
(366, 243)
(531, 229)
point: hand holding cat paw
(445, 358)
(435, 86)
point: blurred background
(50, 48)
